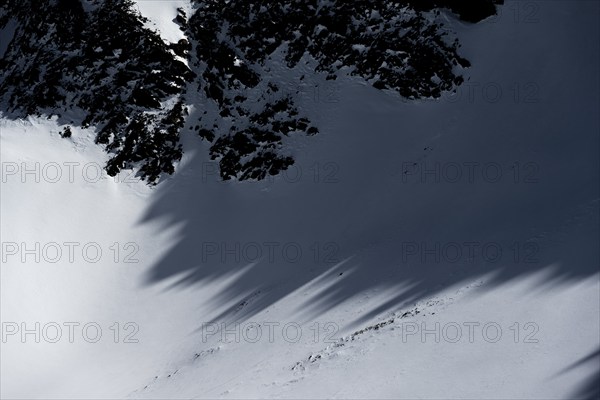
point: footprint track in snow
(427, 307)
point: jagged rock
(123, 77)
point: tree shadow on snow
(377, 206)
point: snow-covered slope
(401, 225)
(161, 16)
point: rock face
(100, 66)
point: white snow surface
(161, 16)
(528, 319)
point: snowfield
(417, 249)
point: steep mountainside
(96, 64)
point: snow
(161, 15)
(376, 229)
